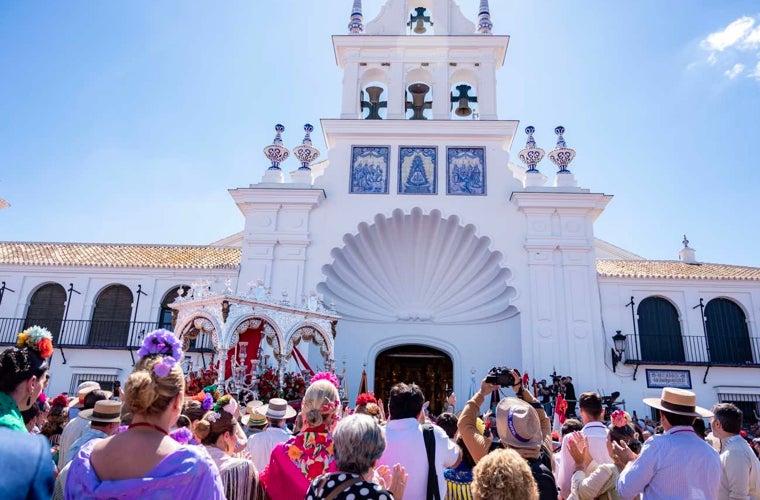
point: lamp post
(617, 352)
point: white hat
(277, 408)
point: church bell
(418, 103)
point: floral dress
(296, 462)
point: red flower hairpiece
(365, 397)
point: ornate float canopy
(224, 315)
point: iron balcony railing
(739, 350)
(93, 334)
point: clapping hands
(392, 480)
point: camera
(502, 376)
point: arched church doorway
(429, 368)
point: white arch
(328, 353)
(449, 348)
(181, 327)
(234, 335)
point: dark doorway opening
(429, 368)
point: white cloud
(735, 71)
(756, 73)
(752, 40)
(729, 36)
(734, 48)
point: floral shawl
(296, 462)
(10, 414)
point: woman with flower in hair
(26, 460)
(217, 430)
(366, 404)
(144, 461)
(296, 462)
(23, 375)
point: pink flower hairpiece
(618, 418)
(182, 436)
(231, 407)
(163, 368)
(161, 343)
(330, 407)
(330, 377)
(208, 402)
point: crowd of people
(152, 440)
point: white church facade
(428, 246)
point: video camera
(501, 376)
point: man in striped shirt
(676, 464)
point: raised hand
(398, 481)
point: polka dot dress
(324, 485)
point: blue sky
(128, 121)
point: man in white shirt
(260, 445)
(77, 426)
(592, 413)
(676, 464)
(741, 468)
(405, 443)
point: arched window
(727, 332)
(46, 308)
(111, 317)
(659, 331)
(165, 315)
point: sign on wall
(466, 171)
(657, 379)
(417, 170)
(369, 169)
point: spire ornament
(531, 155)
(484, 18)
(276, 152)
(306, 153)
(356, 25)
(561, 155)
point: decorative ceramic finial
(687, 255)
(531, 155)
(276, 152)
(484, 18)
(356, 25)
(306, 153)
(561, 155)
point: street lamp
(617, 352)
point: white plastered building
(442, 255)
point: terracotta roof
(118, 255)
(673, 269)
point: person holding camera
(521, 423)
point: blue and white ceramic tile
(417, 170)
(369, 169)
(466, 171)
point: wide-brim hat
(518, 424)
(277, 408)
(83, 389)
(250, 418)
(678, 401)
(105, 411)
(253, 420)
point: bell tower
(419, 60)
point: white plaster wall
(684, 294)
(470, 347)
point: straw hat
(678, 401)
(518, 424)
(250, 418)
(105, 411)
(83, 390)
(277, 408)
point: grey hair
(359, 441)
